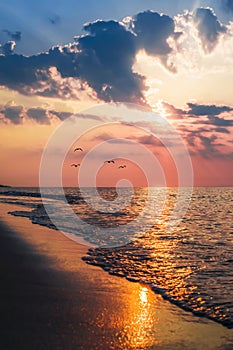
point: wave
(191, 267)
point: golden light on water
(142, 320)
(143, 294)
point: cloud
(209, 145)
(213, 120)
(173, 112)
(199, 109)
(7, 48)
(50, 83)
(12, 113)
(16, 36)
(152, 32)
(105, 61)
(61, 115)
(209, 28)
(204, 127)
(204, 142)
(107, 71)
(222, 130)
(40, 115)
(100, 61)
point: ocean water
(191, 265)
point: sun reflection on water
(139, 331)
(143, 294)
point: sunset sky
(175, 58)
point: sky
(173, 58)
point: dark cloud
(50, 83)
(44, 116)
(202, 132)
(198, 110)
(152, 30)
(106, 59)
(209, 28)
(25, 73)
(212, 148)
(12, 114)
(7, 48)
(209, 145)
(40, 115)
(16, 114)
(222, 130)
(204, 142)
(207, 125)
(16, 36)
(61, 115)
(102, 59)
(195, 110)
(213, 120)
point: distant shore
(51, 299)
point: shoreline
(80, 306)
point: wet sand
(51, 299)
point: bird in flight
(109, 161)
(122, 166)
(78, 149)
(75, 165)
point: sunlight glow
(143, 294)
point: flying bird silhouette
(78, 149)
(75, 165)
(109, 161)
(122, 166)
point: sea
(189, 263)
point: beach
(116, 181)
(51, 299)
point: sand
(51, 299)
